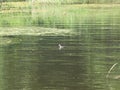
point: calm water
(36, 63)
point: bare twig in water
(111, 69)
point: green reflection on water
(36, 63)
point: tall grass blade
(111, 69)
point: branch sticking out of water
(111, 69)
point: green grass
(60, 16)
(68, 17)
(15, 20)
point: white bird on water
(60, 46)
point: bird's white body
(60, 46)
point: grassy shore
(34, 31)
(57, 16)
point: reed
(59, 15)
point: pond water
(36, 62)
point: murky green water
(36, 63)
